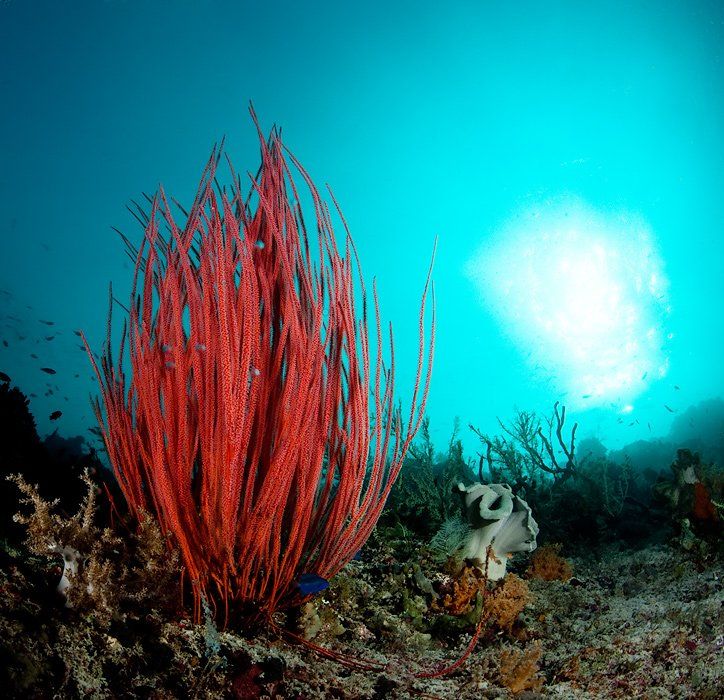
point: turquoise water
(569, 158)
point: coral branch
(244, 422)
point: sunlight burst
(584, 292)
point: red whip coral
(243, 423)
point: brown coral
(502, 605)
(507, 601)
(458, 597)
(548, 565)
(519, 669)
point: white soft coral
(498, 519)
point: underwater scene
(361, 350)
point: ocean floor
(645, 623)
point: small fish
(33, 355)
(95, 431)
(55, 415)
(47, 323)
(77, 333)
(620, 420)
(200, 346)
(631, 423)
(259, 245)
(5, 343)
(670, 410)
(4, 377)
(170, 365)
(358, 556)
(166, 348)
(677, 387)
(586, 396)
(33, 396)
(48, 370)
(649, 424)
(309, 584)
(49, 337)
(644, 375)
(76, 375)
(255, 372)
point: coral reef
(505, 604)
(614, 631)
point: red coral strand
(243, 423)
